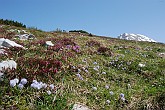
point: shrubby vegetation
(12, 23)
(81, 31)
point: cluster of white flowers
(38, 85)
(35, 84)
(15, 81)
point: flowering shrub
(93, 43)
(36, 66)
(104, 51)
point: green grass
(144, 87)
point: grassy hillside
(90, 70)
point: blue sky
(100, 17)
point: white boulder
(8, 64)
(8, 43)
(25, 36)
(79, 107)
(49, 43)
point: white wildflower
(106, 86)
(95, 69)
(123, 99)
(44, 85)
(51, 86)
(84, 68)
(73, 67)
(23, 81)
(86, 71)
(129, 85)
(16, 80)
(49, 92)
(35, 81)
(111, 93)
(12, 83)
(95, 63)
(20, 86)
(79, 70)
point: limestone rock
(8, 43)
(25, 36)
(79, 107)
(49, 43)
(8, 64)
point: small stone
(94, 88)
(104, 73)
(79, 107)
(141, 65)
(49, 43)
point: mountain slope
(56, 70)
(136, 37)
